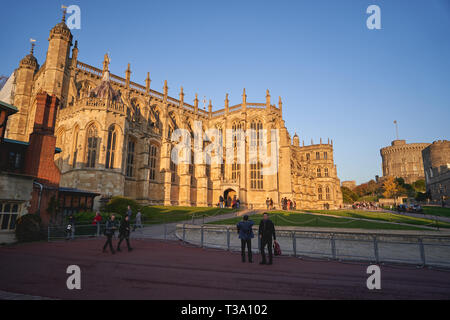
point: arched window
(319, 191)
(325, 155)
(153, 151)
(173, 169)
(307, 157)
(317, 155)
(256, 176)
(75, 147)
(111, 147)
(319, 173)
(327, 193)
(235, 170)
(130, 158)
(92, 146)
(326, 172)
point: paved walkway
(168, 270)
(167, 231)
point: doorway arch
(228, 196)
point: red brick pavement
(170, 270)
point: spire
(75, 54)
(244, 101)
(165, 90)
(64, 10)
(147, 83)
(196, 103)
(106, 63)
(210, 108)
(128, 76)
(226, 103)
(280, 105)
(267, 99)
(181, 97)
(32, 41)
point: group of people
(266, 233)
(226, 203)
(363, 205)
(288, 204)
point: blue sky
(337, 78)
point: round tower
(24, 77)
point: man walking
(266, 232)
(246, 234)
(110, 229)
(124, 233)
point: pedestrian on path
(110, 229)
(245, 232)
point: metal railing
(421, 250)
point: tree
(390, 187)
(348, 196)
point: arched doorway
(229, 195)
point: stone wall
(436, 163)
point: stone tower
(24, 75)
(56, 78)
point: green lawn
(437, 211)
(382, 216)
(162, 214)
(307, 220)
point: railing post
(333, 246)
(228, 238)
(294, 243)
(422, 252)
(201, 241)
(375, 249)
(48, 233)
(165, 231)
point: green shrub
(28, 228)
(119, 205)
(84, 218)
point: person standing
(129, 212)
(70, 230)
(245, 231)
(97, 222)
(110, 229)
(266, 233)
(268, 203)
(138, 221)
(221, 201)
(124, 233)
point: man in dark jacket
(246, 234)
(124, 233)
(110, 229)
(266, 232)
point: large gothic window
(92, 146)
(111, 147)
(152, 161)
(235, 171)
(256, 176)
(130, 158)
(327, 193)
(319, 191)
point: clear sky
(337, 78)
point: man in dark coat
(124, 233)
(266, 232)
(110, 229)
(246, 234)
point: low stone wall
(413, 247)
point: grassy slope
(437, 211)
(161, 214)
(307, 220)
(382, 216)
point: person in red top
(97, 221)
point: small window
(317, 155)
